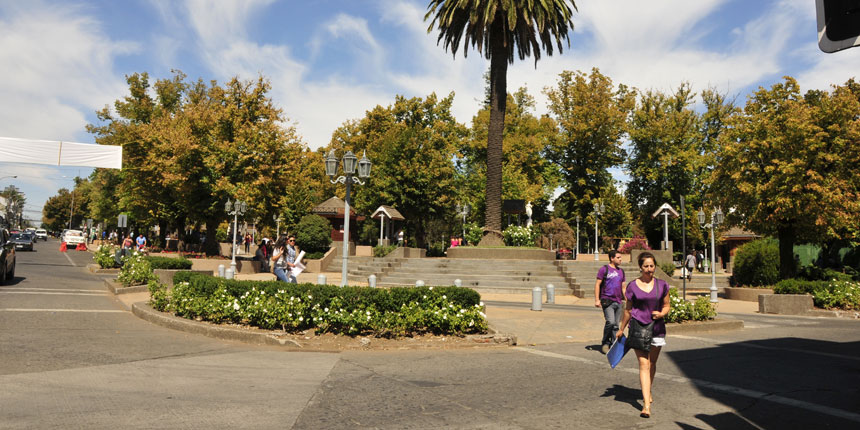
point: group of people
(641, 305)
(279, 258)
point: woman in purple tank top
(647, 301)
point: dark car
(22, 241)
(7, 257)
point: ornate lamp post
(599, 209)
(277, 219)
(463, 210)
(235, 208)
(349, 164)
(716, 219)
(576, 254)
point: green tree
(592, 116)
(15, 201)
(526, 173)
(411, 144)
(786, 166)
(499, 30)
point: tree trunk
(211, 247)
(498, 100)
(787, 237)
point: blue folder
(617, 351)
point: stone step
(489, 289)
(478, 272)
(403, 278)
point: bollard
(550, 294)
(419, 283)
(321, 279)
(228, 273)
(371, 280)
(458, 283)
(536, 293)
(220, 270)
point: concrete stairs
(484, 276)
(586, 273)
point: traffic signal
(838, 24)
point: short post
(536, 295)
(458, 283)
(229, 273)
(371, 280)
(220, 270)
(321, 279)
(419, 283)
(550, 294)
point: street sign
(122, 222)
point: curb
(704, 326)
(260, 337)
(117, 288)
(95, 268)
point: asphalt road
(71, 356)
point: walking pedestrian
(248, 240)
(645, 312)
(690, 264)
(608, 294)
(263, 255)
(284, 256)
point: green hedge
(825, 294)
(169, 263)
(327, 308)
(757, 263)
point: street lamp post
(463, 210)
(716, 219)
(576, 254)
(599, 209)
(277, 219)
(235, 208)
(349, 165)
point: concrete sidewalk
(570, 319)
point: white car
(41, 233)
(74, 237)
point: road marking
(51, 294)
(63, 310)
(70, 259)
(712, 385)
(54, 289)
(772, 348)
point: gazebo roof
(332, 207)
(388, 211)
(739, 233)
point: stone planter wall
(508, 253)
(165, 276)
(785, 304)
(746, 294)
(211, 265)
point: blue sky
(331, 60)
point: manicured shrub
(815, 273)
(104, 257)
(474, 234)
(757, 263)
(382, 251)
(682, 310)
(668, 267)
(169, 263)
(636, 243)
(327, 308)
(516, 235)
(136, 270)
(313, 234)
(825, 294)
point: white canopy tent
(60, 153)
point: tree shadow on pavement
(726, 420)
(777, 383)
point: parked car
(7, 257)
(74, 237)
(22, 241)
(41, 233)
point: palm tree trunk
(498, 101)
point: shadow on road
(625, 394)
(776, 383)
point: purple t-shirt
(613, 280)
(645, 303)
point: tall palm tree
(498, 29)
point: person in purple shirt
(608, 294)
(647, 300)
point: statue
(529, 213)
